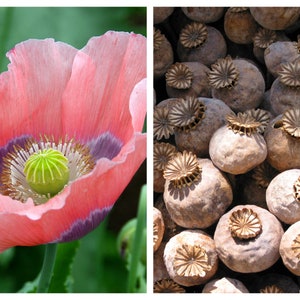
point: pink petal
(36, 225)
(104, 75)
(32, 88)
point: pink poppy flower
(95, 97)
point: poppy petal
(31, 89)
(104, 75)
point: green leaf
(6, 257)
(30, 286)
(62, 280)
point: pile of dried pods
(226, 213)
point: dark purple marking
(9, 147)
(105, 145)
(81, 227)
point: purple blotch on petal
(9, 147)
(82, 227)
(105, 145)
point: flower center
(47, 171)
(41, 169)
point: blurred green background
(98, 267)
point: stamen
(13, 177)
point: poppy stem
(47, 268)
(138, 241)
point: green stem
(138, 241)
(47, 268)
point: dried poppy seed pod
(163, 54)
(190, 257)
(280, 52)
(237, 82)
(283, 196)
(171, 228)
(197, 42)
(162, 153)
(187, 79)
(204, 14)
(290, 248)
(158, 228)
(160, 272)
(262, 39)
(160, 14)
(285, 90)
(275, 18)
(238, 147)
(195, 120)
(247, 239)
(282, 136)
(239, 25)
(225, 285)
(196, 192)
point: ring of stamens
(187, 114)
(13, 179)
(183, 169)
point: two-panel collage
(149, 149)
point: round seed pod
(230, 78)
(247, 239)
(195, 120)
(162, 153)
(239, 25)
(283, 196)
(171, 228)
(196, 192)
(290, 248)
(285, 90)
(282, 137)
(275, 18)
(158, 228)
(163, 54)
(160, 272)
(204, 14)
(280, 52)
(187, 79)
(225, 285)
(263, 38)
(238, 147)
(190, 257)
(197, 42)
(160, 14)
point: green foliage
(72, 25)
(62, 280)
